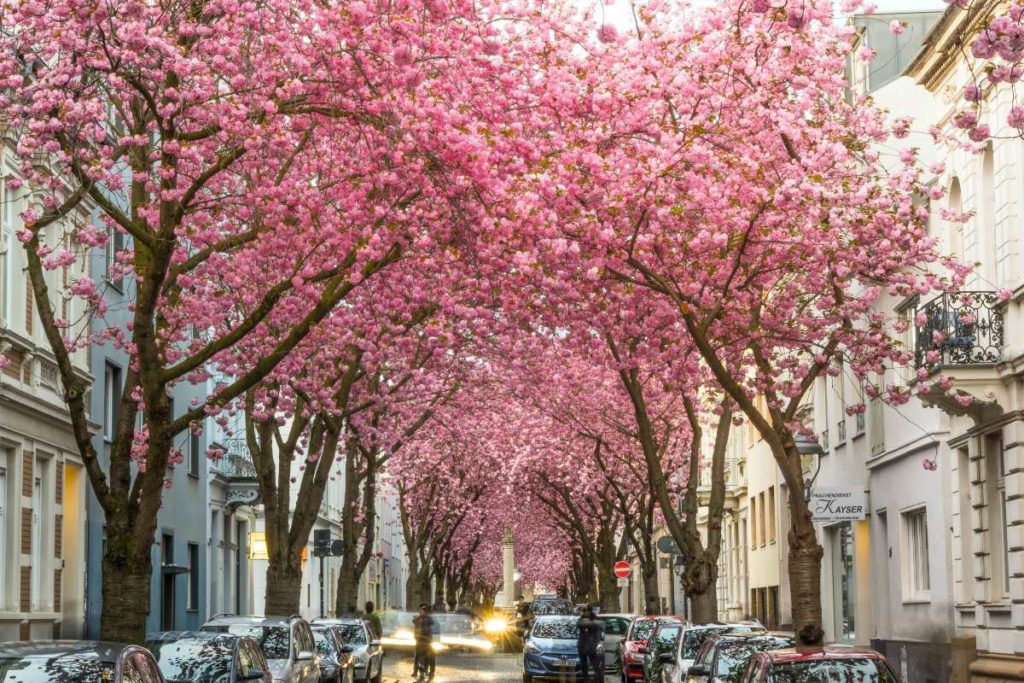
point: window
(916, 580)
(753, 521)
(998, 522)
(111, 399)
(115, 245)
(4, 558)
(771, 514)
(193, 453)
(193, 576)
(762, 531)
(37, 541)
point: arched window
(955, 229)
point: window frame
(192, 595)
(912, 559)
(112, 391)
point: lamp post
(805, 446)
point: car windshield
(324, 643)
(353, 634)
(273, 640)
(556, 629)
(832, 671)
(733, 654)
(666, 636)
(453, 624)
(196, 661)
(66, 669)
(553, 607)
(643, 629)
(695, 637)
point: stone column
(508, 590)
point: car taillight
(632, 650)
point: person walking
(591, 634)
(423, 631)
(374, 619)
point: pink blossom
(607, 33)
(897, 27)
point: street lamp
(805, 446)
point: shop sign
(258, 546)
(838, 505)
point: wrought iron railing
(236, 461)
(965, 328)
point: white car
(615, 627)
(286, 642)
(676, 665)
(367, 653)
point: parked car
(635, 640)
(810, 665)
(367, 653)
(723, 656)
(206, 657)
(72, 661)
(663, 639)
(336, 662)
(689, 644)
(615, 627)
(286, 642)
(551, 649)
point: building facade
(42, 481)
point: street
(461, 668)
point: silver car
(286, 642)
(675, 665)
(615, 627)
(367, 653)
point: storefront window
(844, 582)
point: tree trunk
(126, 589)
(608, 589)
(805, 575)
(704, 606)
(284, 585)
(652, 591)
(348, 586)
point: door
(3, 535)
(37, 541)
(614, 632)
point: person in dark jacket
(373, 618)
(423, 631)
(591, 634)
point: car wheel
(380, 673)
(527, 678)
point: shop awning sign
(832, 504)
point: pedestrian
(423, 631)
(591, 634)
(522, 616)
(372, 617)
(652, 609)
(439, 606)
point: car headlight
(360, 658)
(495, 625)
(531, 648)
(437, 647)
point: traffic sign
(623, 583)
(667, 544)
(623, 570)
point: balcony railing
(236, 463)
(965, 328)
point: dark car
(811, 665)
(663, 639)
(286, 642)
(551, 651)
(723, 657)
(75, 661)
(200, 657)
(635, 640)
(336, 662)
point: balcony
(237, 468)
(961, 329)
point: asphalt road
(461, 668)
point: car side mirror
(305, 655)
(347, 649)
(666, 658)
(374, 643)
(697, 670)
(251, 675)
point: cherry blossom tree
(261, 161)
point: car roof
(344, 621)
(822, 653)
(174, 636)
(619, 615)
(254, 620)
(52, 649)
(544, 618)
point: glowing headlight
(403, 634)
(437, 647)
(495, 625)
